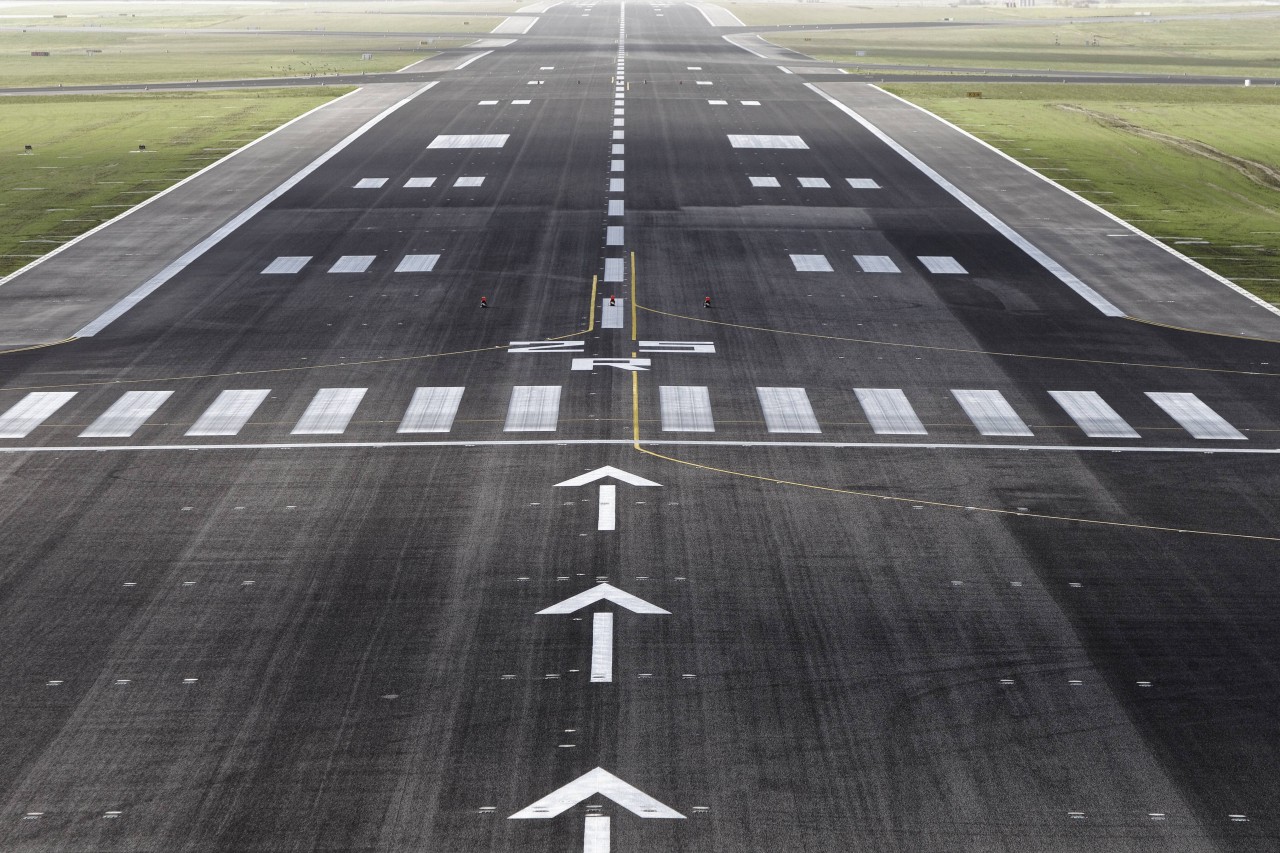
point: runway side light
(484, 302)
(612, 301)
(706, 303)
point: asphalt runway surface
(909, 546)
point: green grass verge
(1246, 46)
(86, 168)
(893, 12)
(1195, 166)
(157, 57)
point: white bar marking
(765, 182)
(617, 165)
(229, 412)
(815, 183)
(616, 185)
(943, 265)
(613, 235)
(787, 410)
(126, 414)
(431, 410)
(469, 181)
(470, 140)
(616, 207)
(863, 183)
(685, 408)
(889, 412)
(811, 263)
(613, 269)
(370, 183)
(1093, 415)
(416, 183)
(417, 263)
(612, 316)
(756, 140)
(330, 411)
(991, 413)
(533, 408)
(602, 644)
(876, 263)
(353, 263)
(31, 411)
(1195, 417)
(607, 518)
(595, 834)
(287, 264)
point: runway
(619, 446)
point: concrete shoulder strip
(1086, 292)
(191, 255)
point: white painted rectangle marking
(991, 413)
(417, 263)
(685, 408)
(521, 102)
(417, 183)
(889, 412)
(811, 263)
(487, 103)
(613, 235)
(787, 410)
(943, 265)
(617, 165)
(618, 148)
(619, 111)
(1093, 415)
(31, 411)
(229, 412)
(693, 68)
(533, 408)
(757, 140)
(616, 185)
(470, 140)
(353, 263)
(705, 83)
(596, 834)
(602, 643)
(607, 517)
(329, 411)
(619, 102)
(619, 134)
(616, 207)
(125, 415)
(1195, 417)
(370, 183)
(287, 264)
(470, 181)
(431, 410)
(619, 122)
(765, 181)
(613, 269)
(612, 316)
(815, 183)
(718, 103)
(751, 103)
(863, 183)
(876, 263)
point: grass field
(1197, 167)
(152, 58)
(402, 16)
(1233, 46)
(776, 13)
(86, 168)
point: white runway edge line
(1086, 292)
(191, 255)
(463, 65)
(1217, 450)
(1116, 219)
(215, 164)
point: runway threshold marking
(960, 350)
